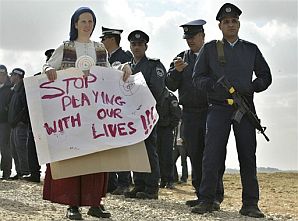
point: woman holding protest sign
(81, 52)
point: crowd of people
(197, 124)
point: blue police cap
(110, 31)
(228, 10)
(3, 69)
(138, 36)
(18, 71)
(192, 28)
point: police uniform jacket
(170, 112)
(242, 60)
(154, 74)
(5, 96)
(18, 110)
(190, 98)
(120, 55)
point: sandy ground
(20, 200)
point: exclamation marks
(148, 120)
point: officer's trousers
(179, 150)
(148, 182)
(194, 136)
(33, 163)
(165, 140)
(6, 159)
(218, 129)
(118, 179)
(18, 142)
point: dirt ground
(278, 193)
(20, 200)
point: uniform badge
(174, 103)
(159, 72)
(228, 10)
(137, 36)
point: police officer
(18, 120)
(235, 59)
(146, 184)
(169, 116)
(179, 150)
(5, 96)
(118, 181)
(34, 166)
(111, 39)
(48, 53)
(193, 101)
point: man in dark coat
(5, 96)
(146, 184)
(118, 181)
(169, 117)
(194, 103)
(236, 60)
(34, 166)
(19, 122)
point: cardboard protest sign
(131, 158)
(75, 116)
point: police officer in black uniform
(118, 181)
(146, 184)
(5, 96)
(194, 103)
(179, 150)
(18, 119)
(169, 117)
(34, 166)
(237, 62)
(111, 39)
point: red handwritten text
(148, 120)
(113, 130)
(77, 83)
(63, 123)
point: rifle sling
(220, 52)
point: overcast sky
(28, 28)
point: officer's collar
(233, 43)
(114, 51)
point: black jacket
(18, 109)
(120, 55)
(190, 98)
(242, 61)
(170, 112)
(5, 96)
(154, 73)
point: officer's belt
(195, 109)
(226, 102)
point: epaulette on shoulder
(154, 59)
(246, 42)
(129, 54)
(211, 42)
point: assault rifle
(242, 106)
